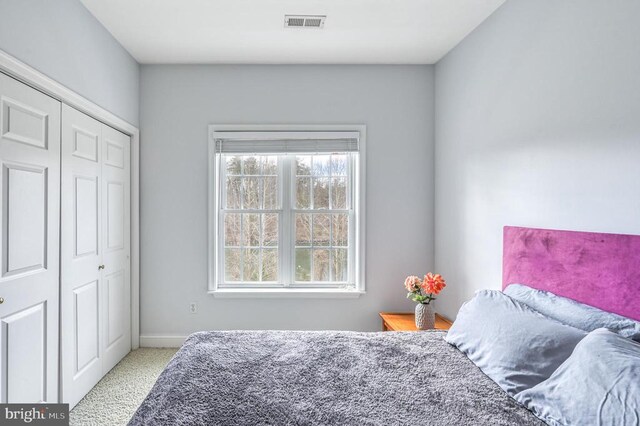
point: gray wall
(177, 105)
(61, 39)
(537, 124)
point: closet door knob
(100, 267)
(1, 300)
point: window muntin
(286, 220)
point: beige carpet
(117, 396)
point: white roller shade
(285, 142)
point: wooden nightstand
(407, 322)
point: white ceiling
(252, 31)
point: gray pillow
(511, 343)
(598, 385)
(573, 313)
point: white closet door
(96, 288)
(116, 287)
(29, 184)
(81, 253)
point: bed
(344, 378)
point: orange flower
(433, 283)
(412, 283)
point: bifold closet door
(116, 284)
(96, 311)
(29, 276)
(81, 254)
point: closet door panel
(26, 208)
(81, 253)
(86, 326)
(116, 231)
(86, 205)
(115, 321)
(29, 253)
(115, 215)
(23, 121)
(24, 337)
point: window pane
(234, 194)
(338, 193)
(251, 229)
(339, 265)
(251, 193)
(234, 165)
(303, 193)
(321, 193)
(321, 265)
(339, 165)
(270, 265)
(251, 265)
(303, 265)
(232, 265)
(270, 192)
(303, 229)
(321, 165)
(270, 165)
(251, 240)
(303, 165)
(251, 165)
(340, 230)
(232, 229)
(321, 229)
(270, 230)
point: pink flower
(412, 283)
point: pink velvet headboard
(601, 270)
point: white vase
(425, 316)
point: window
(286, 212)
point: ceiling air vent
(304, 21)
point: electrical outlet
(193, 308)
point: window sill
(261, 293)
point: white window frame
(356, 233)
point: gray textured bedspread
(325, 378)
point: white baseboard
(162, 341)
